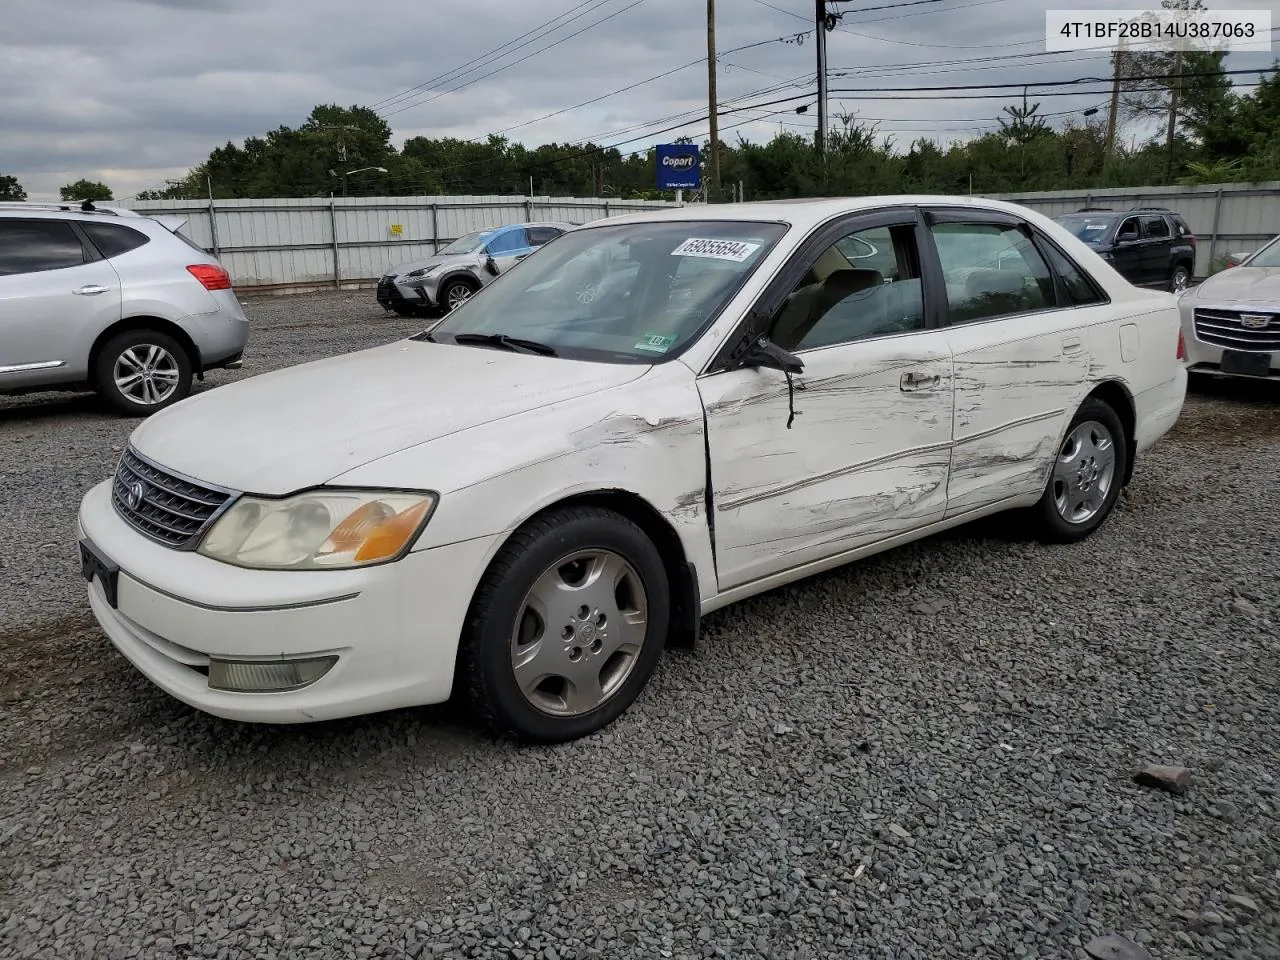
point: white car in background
(1231, 321)
(528, 502)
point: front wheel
(1087, 475)
(141, 372)
(455, 294)
(1180, 279)
(566, 626)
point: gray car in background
(441, 282)
(110, 300)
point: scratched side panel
(1018, 382)
(863, 460)
(645, 438)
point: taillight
(1182, 346)
(211, 276)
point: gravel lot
(925, 755)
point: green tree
(85, 190)
(11, 189)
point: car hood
(1244, 284)
(304, 425)
(437, 261)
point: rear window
(113, 239)
(1090, 229)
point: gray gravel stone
(689, 828)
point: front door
(1020, 357)
(866, 453)
(53, 300)
(509, 248)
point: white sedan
(527, 502)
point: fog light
(257, 676)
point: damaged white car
(528, 502)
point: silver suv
(110, 300)
(441, 282)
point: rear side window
(1080, 291)
(113, 239)
(1155, 228)
(991, 270)
(33, 246)
(540, 235)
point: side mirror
(490, 264)
(765, 353)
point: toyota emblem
(136, 493)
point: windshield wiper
(504, 342)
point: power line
(484, 56)
(483, 76)
(789, 13)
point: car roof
(807, 213)
(24, 208)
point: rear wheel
(1180, 278)
(1087, 475)
(566, 627)
(142, 371)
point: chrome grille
(1239, 329)
(169, 509)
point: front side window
(33, 246)
(1128, 231)
(629, 293)
(991, 270)
(508, 242)
(866, 284)
(469, 243)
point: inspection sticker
(655, 342)
(733, 250)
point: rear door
(1157, 249)
(55, 291)
(1019, 353)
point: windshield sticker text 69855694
(733, 250)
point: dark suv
(1148, 246)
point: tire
(455, 292)
(138, 365)
(514, 642)
(1180, 278)
(1056, 519)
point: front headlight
(319, 530)
(417, 274)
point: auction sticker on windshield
(735, 251)
(655, 342)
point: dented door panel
(865, 458)
(1018, 381)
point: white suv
(110, 300)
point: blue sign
(679, 167)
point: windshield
(471, 243)
(1268, 256)
(1089, 229)
(627, 293)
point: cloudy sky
(133, 92)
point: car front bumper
(393, 628)
(417, 293)
(1205, 357)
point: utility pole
(1110, 145)
(821, 42)
(1173, 109)
(713, 102)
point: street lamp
(347, 173)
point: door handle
(1072, 346)
(91, 290)
(912, 380)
